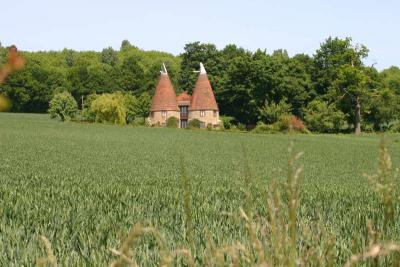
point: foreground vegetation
(199, 194)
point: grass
(84, 187)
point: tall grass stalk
(186, 187)
(384, 185)
(293, 201)
(50, 260)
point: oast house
(200, 105)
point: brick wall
(157, 118)
(209, 117)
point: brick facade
(206, 116)
(157, 118)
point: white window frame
(164, 113)
(202, 113)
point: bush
(395, 127)
(194, 124)
(323, 117)
(241, 127)
(270, 113)
(140, 122)
(172, 122)
(226, 122)
(209, 126)
(63, 106)
(264, 128)
(289, 123)
(109, 108)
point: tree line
(332, 90)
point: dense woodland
(332, 90)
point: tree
(236, 96)
(31, 89)
(109, 108)
(352, 83)
(69, 57)
(125, 45)
(109, 56)
(63, 106)
(385, 109)
(339, 73)
(87, 113)
(99, 77)
(194, 54)
(289, 80)
(130, 75)
(270, 113)
(390, 78)
(330, 57)
(130, 103)
(138, 107)
(143, 105)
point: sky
(297, 26)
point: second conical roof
(203, 96)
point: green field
(84, 186)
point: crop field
(84, 186)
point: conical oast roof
(164, 96)
(203, 96)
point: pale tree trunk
(357, 122)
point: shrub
(140, 122)
(226, 122)
(288, 123)
(194, 124)
(109, 108)
(63, 106)
(270, 113)
(264, 128)
(172, 122)
(241, 127)
(395, 127)
(209, 126)
(323, 117)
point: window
(202, 124)
(184, 112)
(215, 113)
(164, 113)
(184, 109)
(152, 114)
(202, 113)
